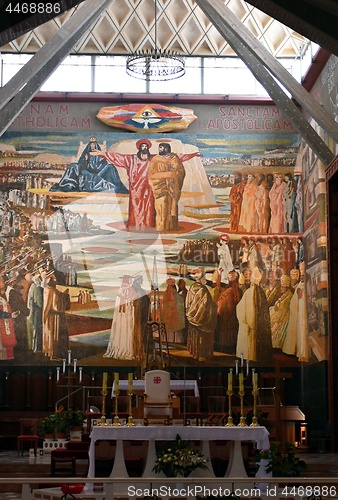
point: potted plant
(76, 419)
(62, 423)
(281, 462)
(179, 458)
(47, 427)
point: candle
(69, 357)
(242, 359)
(236, 366)
(75, 361)
(63, 366)
(104, 381)
(80, 374)
(241, 382)
(253, 376)
(230, 380)
(116, 382)
(255, 382)
(247, 367)
(57, 373)
(130, 382)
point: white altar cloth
(175, 385)
(168, 433)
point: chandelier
(155, 64)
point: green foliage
(62, 421)
(282, 463)
(47, 425)
(179, 458)
(75, 417)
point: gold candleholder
(230, 422)
(242, 422)
(130, 418)
(116, 417)
(103, 416)
(254, 418)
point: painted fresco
(114, 244)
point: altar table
(175, 385)
(168, 433)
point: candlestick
(255, 394)
(230, 378)
(241, 382)
(130, 382)
(116, 382)
(104, 382)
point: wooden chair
(217, 413)
(191, 406)
(28, 434)
(157, 397)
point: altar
(175, 386)
(235, 435)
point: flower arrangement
(179, 458)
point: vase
(180, 485)
(76, 433)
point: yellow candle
(130, 382)
(241, 382)
(116, 381)
(255, 382)
(230, 380)
(104, 381)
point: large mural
(198, 246)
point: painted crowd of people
(266, 203)
(257, 310)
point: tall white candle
(230, 380)
(57, 373)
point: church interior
(167, 240)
